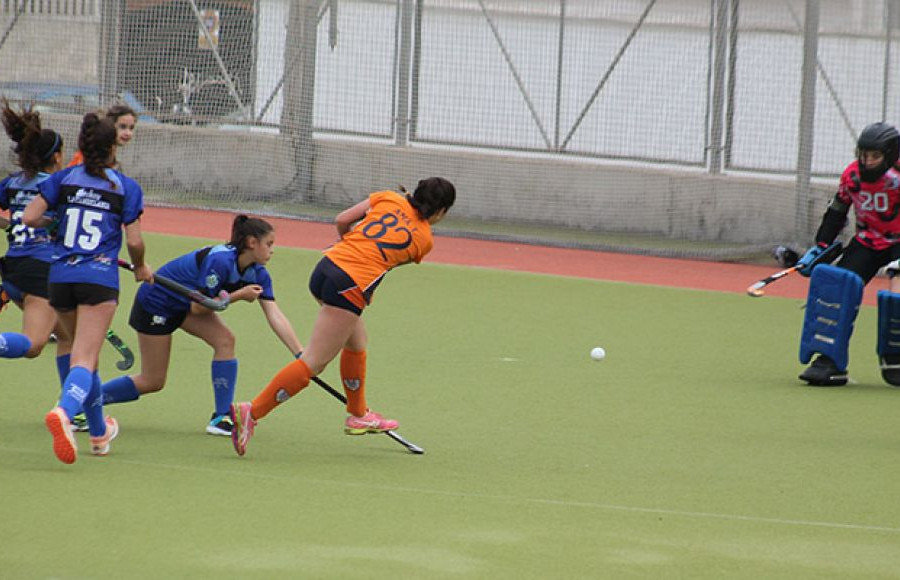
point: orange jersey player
(392, 235)
(391, 229)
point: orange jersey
(390, 235)
(77, 159)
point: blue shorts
(331, 285)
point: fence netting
(700, 128)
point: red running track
(716, 276)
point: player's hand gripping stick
(825, 256)
(218, 304)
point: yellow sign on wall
(211, 23)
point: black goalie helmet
(878, 137)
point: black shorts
(331, 285)
(27, 275)
(66, 296)
(154, 324)
(865, 261)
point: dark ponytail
(96, 140)
(35, 146)
(431, 196)
(244, 227)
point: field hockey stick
(217, 304)
(412, 447)
(117, 343)
(831, 252)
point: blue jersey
(91, 212)
(210, 270)
(16, 192)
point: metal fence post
(806, 128)
(300, 91)
(404, 73)
(720, 51)
(111, 12)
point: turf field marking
(537, 501)
(509, 499)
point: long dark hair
(244, 227)
(431, 196)
(35, 146)
(97, 139)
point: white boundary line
(508, 499)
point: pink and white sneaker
(371, 422)
(244, 425)
(100, 445)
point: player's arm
(134, 241)
(833, 221)
(281, 326)
(345, 220)
(4, 203)
(33, 216)
(248, 293)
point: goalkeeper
(870, 185)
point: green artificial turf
(691, 451)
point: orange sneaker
(100, 445)
(64, 445)
(371, 422)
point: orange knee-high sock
(288, 382)
(353, 376)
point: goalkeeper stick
(757, 289)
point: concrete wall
(584, 195)
(50, 49)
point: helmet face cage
(883, 138)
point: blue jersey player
(26, 266)
(94, 203)
(238, 268)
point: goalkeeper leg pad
(889, 336)
(832, 304)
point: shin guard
(831, 308)
(889, 336)
(353, 377)
(288, 382)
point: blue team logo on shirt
(212, 280)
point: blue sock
(224, 380)
(13, 345)
(62, 367)
(75, 391)
(93, 408)
(120, 390)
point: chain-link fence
(693, 127)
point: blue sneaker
(79, 423)
(220, 425)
